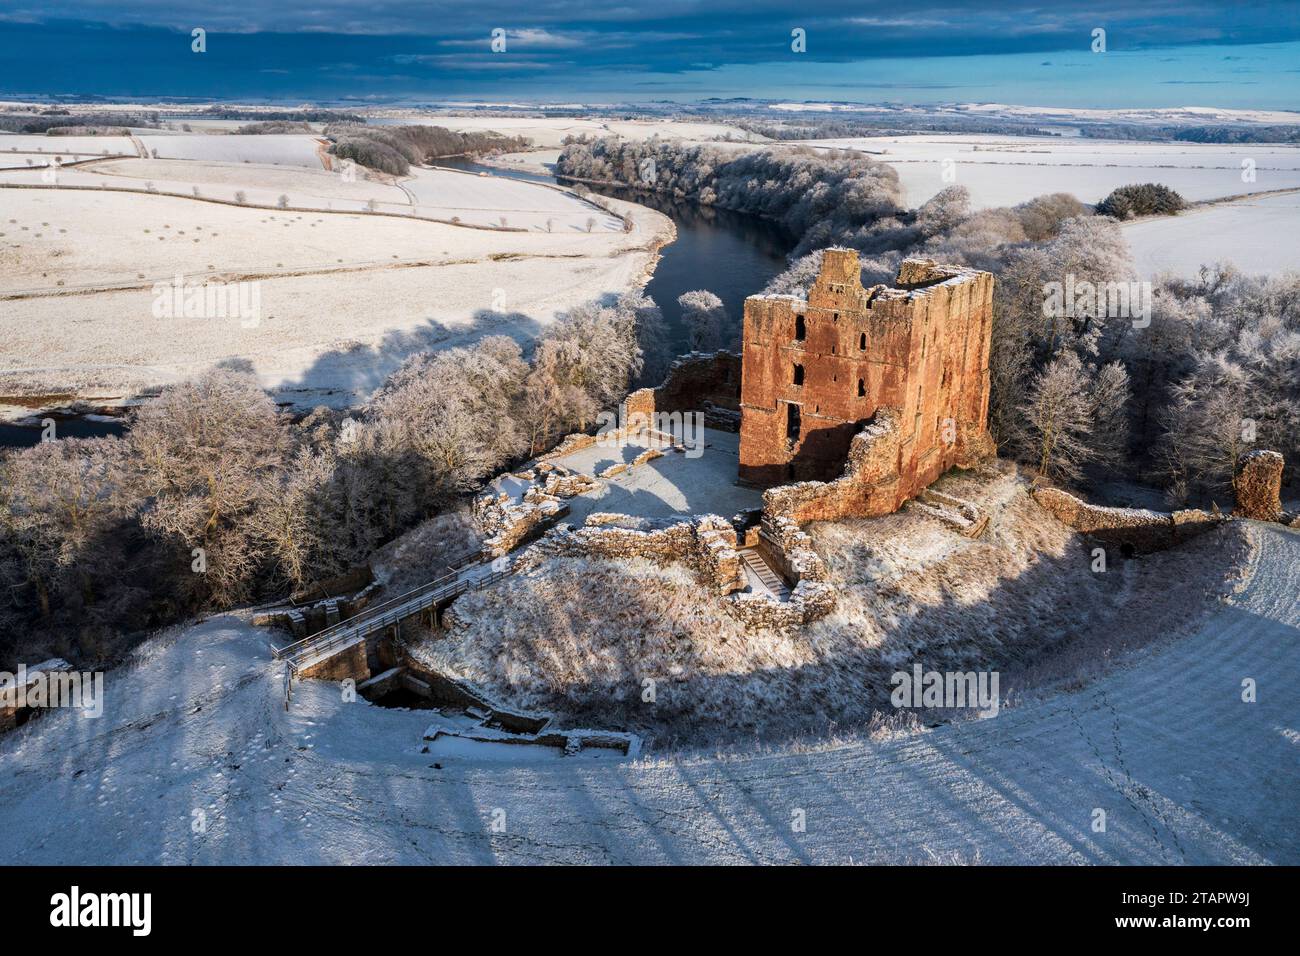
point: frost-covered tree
(60, 505)
(822, 197)
(944, 211)
(706, 318)
(453, 408)
(1057, 411)
(203, 451)
(1076, 415)
(652, 337)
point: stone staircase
(957, 513)
(757, 567)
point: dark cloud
(141, 47)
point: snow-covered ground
(675, 484)
(17, 148)
(196, 761)
(443, 193)
(1006, 170)
(261, 184)
(1256, 234)
(79, 270)
(283, 149)
(440, 194)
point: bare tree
(59, 502)
(1059, 416)
(454, 410)
(204, 450)
(706, 318)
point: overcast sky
(1162, 53)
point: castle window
(798, 374)
(862, 388)
(800, 329)
(835, 317)
(862, 342)
(792, 424)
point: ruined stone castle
(892, 381)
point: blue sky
(1159, 53)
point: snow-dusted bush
(1145, 199)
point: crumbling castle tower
(912, 361)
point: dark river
(728, 253)
(24, 436)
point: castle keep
(910, 361)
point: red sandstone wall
(699, 382)
(920, 350)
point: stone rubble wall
(706, 544)
(568, 445)
(1139, 528)
(1258, 485)
(705, 382)
(506, 524)
(792, 548)
(309, 619)
(868, 487)
(810, 601)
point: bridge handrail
(343, 635)
(320, 637)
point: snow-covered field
(285, 149)
(196, 761)
(442, 193)
(1006, 170)
(261, 184)
(23, 146)
(343, 297)
(1258, 235)
(446, 195)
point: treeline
(88, 124)
(274, 127)
(812, 126)
(1087, 394)
(393, 149)
(1194, 134)
(215, 497)
(281, 116)
(822, 197)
